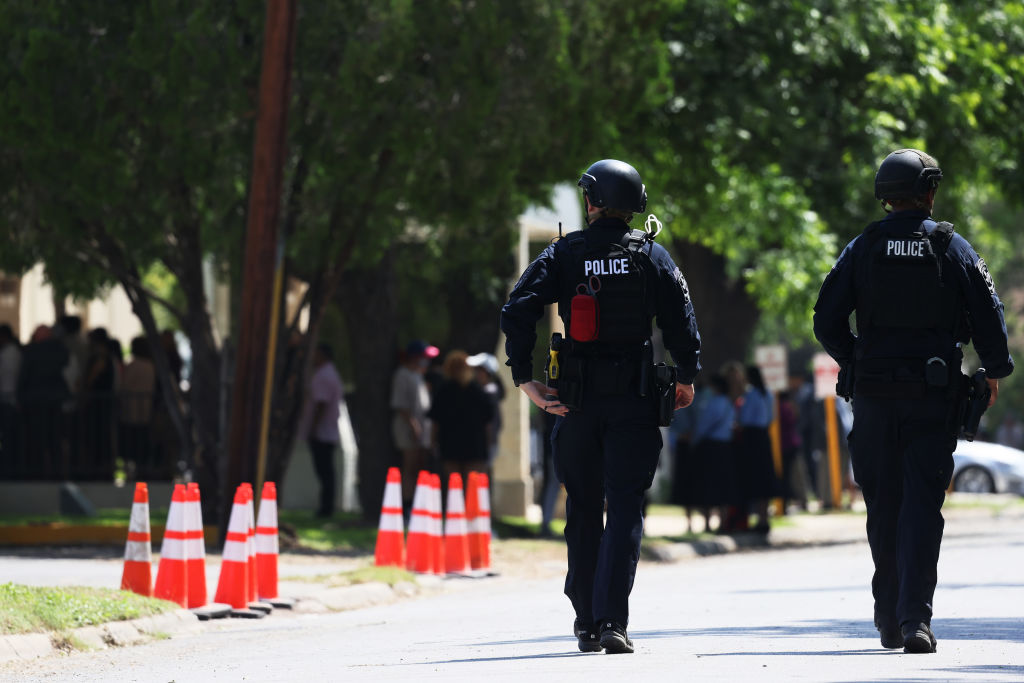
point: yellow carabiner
(553, 369)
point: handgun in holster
(845, 381)
(978, 395)
(565, 372)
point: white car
(982, 467)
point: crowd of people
(446, 413)
(724, 467)
(72, 405)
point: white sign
(772, 361)
(826, 374)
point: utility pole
(254, 328)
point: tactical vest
(617, 277)
(903, 285)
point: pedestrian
(10, 367)
(92, 453)
(485, 365)
(609, 283)
(713, 466)
(460, 415)
(135, 393)
(919, 291)
(794, 473)
(410, 401)
(320, 423)
(42, 393)
(755, 464)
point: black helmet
(614, 184)
(906, 174)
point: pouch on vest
(584, 318)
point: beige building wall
(27, 302)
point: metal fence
(88, 437)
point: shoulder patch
(987, 276)
(681, 282)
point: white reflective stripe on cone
(138, 551)
(420, 524)
(196, 549)
(455, 527)
(477, 526)
(268, 513)
(391, 523)
(173, 549)
(139, 521)
(266, 544)
(234, 551)
(393, 496)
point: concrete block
(123, 633)
(31, 645)
(355, 597)
(92, 636)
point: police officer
(609, 283)
(919, 292)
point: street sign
(826, 374)
(772, 361)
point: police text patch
(906, 248)
(608, 266)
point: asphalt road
(767, 615)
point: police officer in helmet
(609, 282)
(919, 291)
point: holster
(665, 377)
(570, 382)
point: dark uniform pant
(903, 459)
(609, 451)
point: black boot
(586, 636)
(614, 639)
(918, 637)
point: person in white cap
(487, 377)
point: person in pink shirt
(320, 422)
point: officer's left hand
(684, 395)
(538, 392)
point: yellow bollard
(832, 437)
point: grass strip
(388, 575)
(34, 609)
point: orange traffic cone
(483, 519)
(195, 548)
(418, 544)
(266, 543)
(456, 541)
(390, 547)
(437, 526)
(250, 544)
(233, 585)
(172, 573)
(138, 552)
(478, 518)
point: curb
(29, 646)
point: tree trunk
(369, 305)
(726, 313)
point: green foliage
(28, 609)
(780, 109)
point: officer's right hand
(538, 391)
(684, 395)
(993, 386)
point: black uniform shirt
(541, 284)
(838, 299)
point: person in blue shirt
(755, 465)
(919, 291)
(714, 469)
